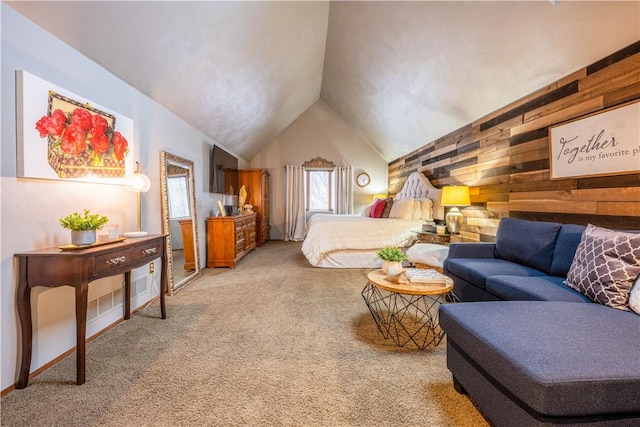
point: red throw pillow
(378, 208)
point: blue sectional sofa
(528, 349)
(528, 261)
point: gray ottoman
(546, 363)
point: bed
(351, 241)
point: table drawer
(150, 250)
(113, 260)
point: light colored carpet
(273, 342)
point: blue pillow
(566, 246)
(529, 243)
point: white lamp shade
(138, 182)
(455, 195)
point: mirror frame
(167, 158)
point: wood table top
(403, 286)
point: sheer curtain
(344, 190)
(294, 204)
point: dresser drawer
(149, 250)
(112, 260)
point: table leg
(415, 319)
(127, 295)
(378, 305)
(81, 331)
(405, 318)
(163, 286)
(24, 315)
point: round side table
(405, 311)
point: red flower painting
(79, 132)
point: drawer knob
(149, 251)
(116, 260)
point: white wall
(30, 208)
(319, 132)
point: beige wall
(319, 132)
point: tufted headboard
(417, 186)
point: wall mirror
(179, 220)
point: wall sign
(605, 143)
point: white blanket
(329, 233)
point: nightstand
(428, 237)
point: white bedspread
(328, 233)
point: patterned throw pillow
(387, 209)
(605, 266)
(634, 297)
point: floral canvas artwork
(82, 140)
(61, 136)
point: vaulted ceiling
(400, 73)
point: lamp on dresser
(454, 196)
(139, 183)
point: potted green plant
(392, 259)
(83, 227)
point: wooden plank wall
(504, 156)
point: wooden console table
(54, 267)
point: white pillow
(402, 209)
(428, 253)
(634, 297)
(417, 209)
(426, 206)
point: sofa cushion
(605, 266)
(476, 270)
(566, 245)
(558, 358)
(539, 288)
(530, 243)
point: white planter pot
(394, 270)
(83, 238)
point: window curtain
(294, 222)
(344, 190)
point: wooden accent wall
(504, 156)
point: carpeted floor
(273, 342)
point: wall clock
(363, 179)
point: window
(177, 188)
(318, 190)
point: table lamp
(139, 183)
(455, 195)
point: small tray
(72, 247)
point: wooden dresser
(229, 239)
(256, 182)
